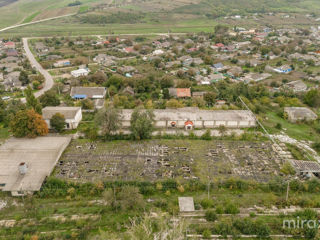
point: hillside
(96, 16)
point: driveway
(48, 84)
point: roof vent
(23, 168)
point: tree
(210, 98)
(87, 104)
(99, 77)
(32, 102)
(141, 124)
(11, 109)
(24, 78)
(115, 81)
(207, 60)
(109, 120)
(312, 98)
(220, 30)
(49, 98)
(28, 123)
(174, 103)
(58, 122)
(166, 82)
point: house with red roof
(10, 45)
(180, 92)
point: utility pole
(288, 188)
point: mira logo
(300, 223)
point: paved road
(39, 21)
(48, 84)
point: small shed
(186, 204)
(306, 168)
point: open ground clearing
(84, 161)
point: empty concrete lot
(40, 156)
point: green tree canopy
(142, 124)
(28, 123)
(32, 102)
(109, 120)
(58, 122)
(49, 98)
(24, 78)
(312, 98)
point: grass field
(68, 211)
(182, 16)
(68, 27)
(301, 131)
(31, 17)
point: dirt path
(39, 21)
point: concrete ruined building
(296, 114)
(190, 118)
(306, 169)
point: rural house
(80, 72)
(180, 92)
(97, 94)
(72, 115)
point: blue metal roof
(79, 96)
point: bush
(316, 146)
(207, 135)
(231, 209)
(219, 210)
(206, 234)
(211, 216)
(207, 203)
(262, 230)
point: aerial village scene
(210, 134)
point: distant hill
(149, 15)
(230, 7)
(6, 2)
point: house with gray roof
(72, 115)
(296, 86)
(96, 94)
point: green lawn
(4, 133)
(299, 131)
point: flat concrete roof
(40, 154)
(186, 204)
(195, 114)
(300, 113)
(67, 112)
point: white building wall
(209, 124)
(160, 123)
(198, 124)
(243, 123)
(232, 123)
(219, 123)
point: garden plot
(163, 159)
